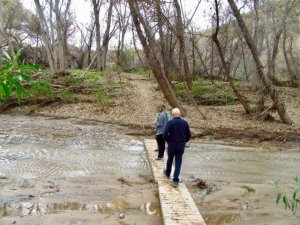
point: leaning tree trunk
(153, 61)
(240, 97)
(182, 52)
(278, 104)
(163, 49)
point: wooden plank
(178, 207)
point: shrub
(13, 75)
(289, 202)
(41, 88)
(207, 95)
(65, 95)
(102, 98)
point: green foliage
(93, 75)
(199, 89)
(72, 80)
(127, 59)
(65, 95)
(13, 74)
(101, 98)
(205, 94)
(144, 73)
(248, 188)
(41, 88)
(289, 202)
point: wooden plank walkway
(178, 207)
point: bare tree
(96, 7)
(106, 37)
(46, 37)
(149, 47)
(277, 103)
(183, 61)
(123, 21)
(240, 97)
(291, 74)
(289, 4)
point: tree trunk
(266, 81)
(182, 53)
(271, 66)
(240, 97)
(106, 37)
(291, 73)
(96, 8)
(46, 37)
(61, 58)
(163, 49)
(137, 51)
(1, 24)
(153, 60)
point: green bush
(65, 95)
(41, 88)
(93, 75)
(127, 58)
(205, 94)
(289, 202)
(13, 75)
(102, 98)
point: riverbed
(71, 171)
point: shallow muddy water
(54, 169)
(71, 171)
(240, 165)
(231, 172)
(40, 147)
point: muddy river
(71, 171)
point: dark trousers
(174, 152)
(161, 145)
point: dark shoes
(156, 150)
(165, 174)
(158, 159)
(175, 184)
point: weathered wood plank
(178, 207)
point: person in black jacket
(176, 133)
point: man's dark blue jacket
(177, 133)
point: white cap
(175, 111)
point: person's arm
(188, 132)
(160, 120)
(166, 131)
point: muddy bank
(70, 171)
(134, 106)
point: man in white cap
(176, 133)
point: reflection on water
(239, 165)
